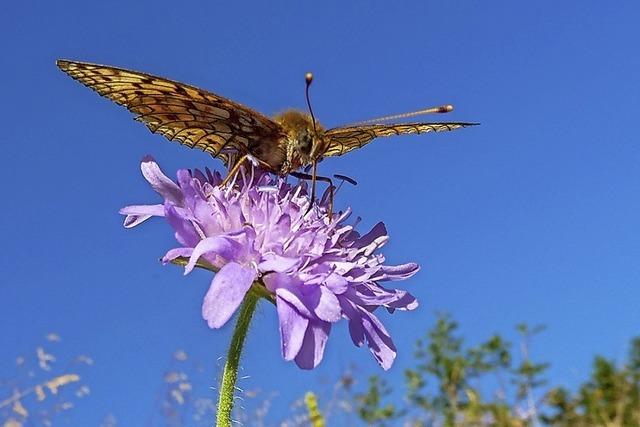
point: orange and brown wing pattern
(180, 112)
(344, 139)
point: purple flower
(259, 231)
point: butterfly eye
(305, 142)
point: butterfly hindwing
(180, 112)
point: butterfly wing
(344, 139)
(180, 112)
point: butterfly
(231, 131)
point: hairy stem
(230, 374)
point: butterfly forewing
(344, 139)
(180, 112)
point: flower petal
(372, 294)
(188, 188)
(406, 302)
(195, 201)
(294, 297)
(226, 292)
(374, 239)
(137, 214)
(176, 253)
(185, 232)
(222, 246)
(159, 181)
(378, 340)
(325, 304)
(356, 331)
(315, 339)
(277, 263)
(292, 328)
(289, 288)
(336, 283)
(397, 272)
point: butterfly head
(303, 139)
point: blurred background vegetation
(450, 383)
(493, 384)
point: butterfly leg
(312, 178)
(236, 167)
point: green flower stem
(230, 374)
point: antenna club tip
(446, 108)
(308, 78)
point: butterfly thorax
(298, 146)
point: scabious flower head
(260, 231)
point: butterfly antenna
(438, 110)
(308, 78)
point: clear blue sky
(533, 216)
